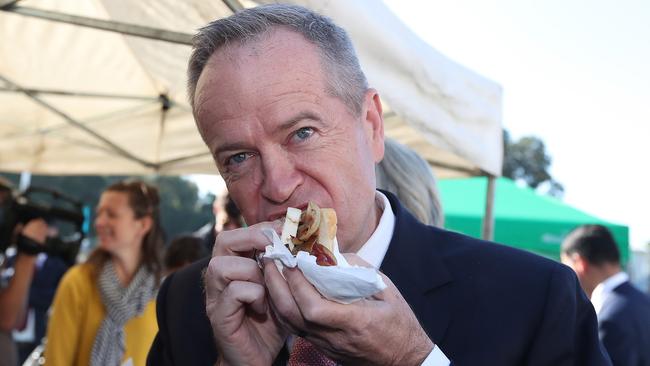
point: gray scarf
(121, 304)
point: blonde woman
(407, 175)
(104, 309)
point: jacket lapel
(418, 271)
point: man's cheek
(247, 202)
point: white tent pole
(488, 218)
(163, 164)
(107, 25)
(79, 125)
(25, 181)
(234, 5)
(66, 93)
(7, 4)
(166, 104)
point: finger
(354, 259)
(277, 226)
(311, 304)
(282, 301)
(223, 270)
(37, 221)
(390, 293)
(239, 294)
(36, 230)
(242, 241)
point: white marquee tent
(98, 87)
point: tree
(526, 160)
(182, 210)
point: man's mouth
(281, 214)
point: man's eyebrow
(230, 146)
(303, 115)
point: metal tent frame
(165, 102)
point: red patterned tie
(304, 353)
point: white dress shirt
(605, 288)
(374, 251)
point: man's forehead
(274, 47)
(272, 66)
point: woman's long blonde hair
(407, 175)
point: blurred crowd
(102, 310)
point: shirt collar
(605, 288)
(374, 250)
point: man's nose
(281, 178)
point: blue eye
(237, 158)
(304, 133)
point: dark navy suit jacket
(480, 302)
(624, 326)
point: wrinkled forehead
(243, 75)
(275, 48)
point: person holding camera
(104, 309)
(14, 293)
(13, 297)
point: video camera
(21, 207)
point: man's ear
(581, 265)
(374, 124)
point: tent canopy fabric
(77, 100)
(523, 218)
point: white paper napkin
(342, 283)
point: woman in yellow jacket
(104, 309)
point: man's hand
(36, 230)
(245, 330)
(381, 330)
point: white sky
(574, 73)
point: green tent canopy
(523, 218)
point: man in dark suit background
(623, 311)
(281, 102)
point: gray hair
(345, 80)
(407, 175)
